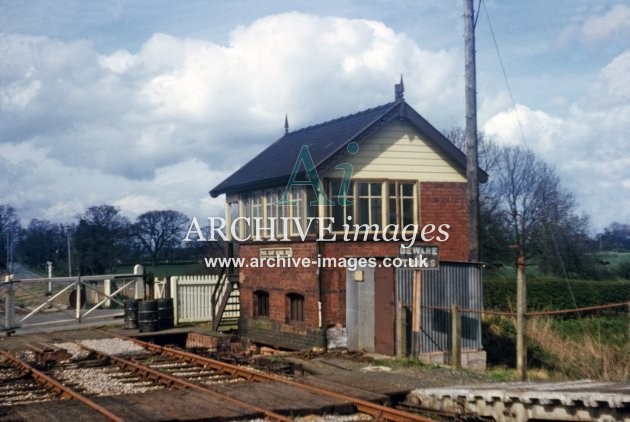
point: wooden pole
(456, 333)
(472, 165)
(9, 306)
(521, 304)
(415, 313)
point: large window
(266, 205)
(401, 203)
(261, 304)
(295, 307)
(373, 203)
(369, 203)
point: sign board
(421, 257)
(276, 253)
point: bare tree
(101, 239)
(159, 230)
(9, 231)
(542, 214)
(523, 200)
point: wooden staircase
(226, 303)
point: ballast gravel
(114, 346)
(101, 382)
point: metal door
(360, 309)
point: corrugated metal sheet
(453, 283)
(360, 310)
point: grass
(614, 259)
(402, 363)
(611, 330)
(594, 348)
(584, 356)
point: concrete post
(456, 334)
(78, 300)
(175, 299)
(139, 292)
(107, 289)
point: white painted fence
(192, 298)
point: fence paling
(193, 298)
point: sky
(148, 105)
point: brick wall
(280, 335)
(278, 282)
(445, 203)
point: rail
(64, 391)
(379, 412)
(174, 381)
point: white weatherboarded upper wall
(398, 152)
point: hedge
(551, 294)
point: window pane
(296, 307)
(338, 215)
(375, 211)
(407, 214)
(375, 189)
(392, 211)
(363, 188)
(334, 189)
(407, 189)
(363, 211)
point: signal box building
(385, 170)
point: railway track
(377, 411)
(152, 367)
(51, 384)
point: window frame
(384, 219)
(295, 308)
(261, 304)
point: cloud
(592, 27)
(159, 126)
(587, 146)
(614, 23)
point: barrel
(147, 316)
(165, 313)
(131, 313)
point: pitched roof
(326, 142)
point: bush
(623, 270)
(551, 294)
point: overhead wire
(524, 140)
(505, 77)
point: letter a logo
(313, 179)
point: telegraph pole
(521, 300)
(472, 164)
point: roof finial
(286, 123)
(399, 89)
